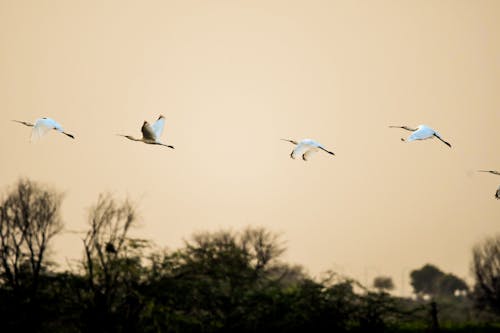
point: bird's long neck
(24, 123)
(291, 141)
(405, 128)
(491, 171)
(132, 138)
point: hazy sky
(232, 78)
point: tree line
(221, 281)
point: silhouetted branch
(29, 219)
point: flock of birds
(304, 148)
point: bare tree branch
(29, 219)
(486, 269)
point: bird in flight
(305, 148)
(422, 132)
(497, 193)
(151, 133)
(42, 126)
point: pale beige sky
(232, 78)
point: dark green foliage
(424, 280)
(486, 269)
(383, 283)
(29, 219)
(217, 282)
(430, 280)
(449, 284)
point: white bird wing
(422, 133)
(158, 127)
(42, 126)
(300, 150)
(147, 132)
(308, 153)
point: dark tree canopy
(29, 219)
(424, 280)
(486, 269)
(449, 284)
(222, 281)
(383, 283)
(430, 280)
(111, 263)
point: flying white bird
(42, 126)
(497, 193)
(422, 132)
(305, 148)
(151, 133)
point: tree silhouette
(430, 280)
(425, 280)
(29, 219)
(486, 269)
(383, 283)
(449, 284)
(111, 262)
(221, 281)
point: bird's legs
(68, 134)
(329, 152)
(446, 143)
(162, 144)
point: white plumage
(151, 133)
(42, 126)
(306, 148)
(422, 132)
